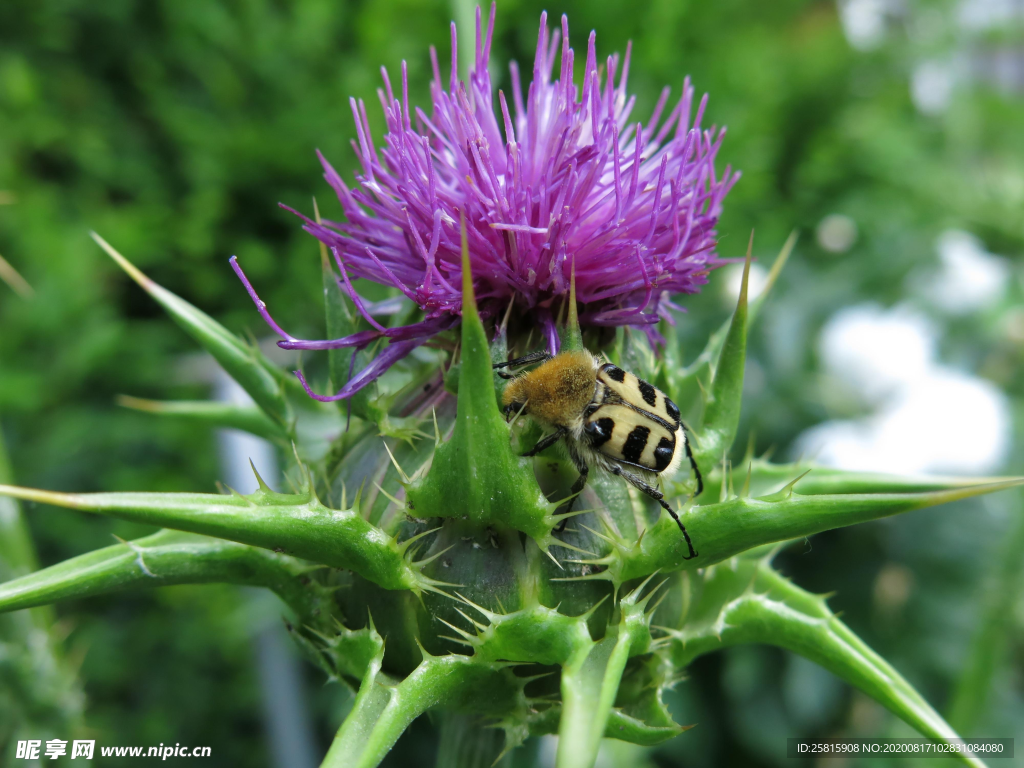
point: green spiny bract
(426, 572)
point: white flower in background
(931, 86)
(836, 233)
(863, 22)
(983, 15)
(876, 351)
(970, 277)
(928, 418)
(948, 421)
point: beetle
(606, 417)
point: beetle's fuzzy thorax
(557, 392)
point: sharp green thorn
(601, 536)
(401, 472)
(745, 492)
(573, 338)
(671, 632)
(423, 651)
(570, 515)
(657, 602)
(433, 585)
(236, 494)
(776, 270)
(744, 285)
(269, 386)
(560, 502)
(593, 609)
(476, 624)
(634, 595)
(508, 314)
(559, 543)
(466, 635)
(133, 272)
(748, 454)
(787, 490)
(639, 539)
(359, 496)
(70, 500)
(427, 560)
(490, 615)
(259, 480)
(456, 640)
(530, 678)
(390, 498)
(602, 576)
(404, 545)
(468, 295)
(553, 559)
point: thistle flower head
(560, 179)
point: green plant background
(173, 128)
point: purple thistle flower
(563, 177)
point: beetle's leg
(577, 488)
(546, 442)
(693, 461)
(533, 357)
(654, 493)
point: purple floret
(561, 177)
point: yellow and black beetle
(606, 417)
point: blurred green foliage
(173, 128)
(40, 697)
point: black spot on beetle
(664, 452)
(635, 443)
(649, 393)
(672, 409)
(599, 431)
(615, 373)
